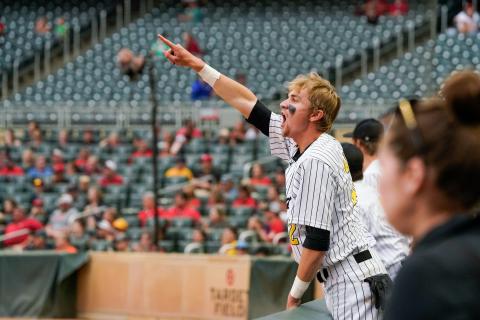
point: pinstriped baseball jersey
(391, 246)
(321, 194)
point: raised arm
(232, 92)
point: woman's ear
(415, 173)
(317, 116)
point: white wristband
(298, 288)
(209, 75)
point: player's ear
(415, 173)
(316, 116)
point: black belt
(362, 256)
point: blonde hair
(322, 96)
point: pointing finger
(166, 41)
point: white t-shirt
(464, 19)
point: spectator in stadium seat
(373, 9)
(216, 198)
(8, 206)
(82, 159)
(95, 206)
(77, 230)
(83, 185)
(398, 8)
(41, 170)
(61, 219)
(31, 126)
(193, 12)
(63, 139)
(37, 241)
(37, 211)
(189, 130)
(230, 238)
(199, 236)
(258, 176)
(62, 243)
(121, 243)
(238, 132)
(228, 188)
(36, 140)
(10, 169)
(192, 200)
(110, 175)
(216, 218)
(2, 28)
(256, 225)
(105, 228)
(42, 26)
(57, 160)
(60, 28)
(9, 139)
(467, 21)
(223, 136)
(207, 172)
(275, 225)
(88, 137)
(180, 208)
(142, 149)
(200, 90)
(111, 142)
(130, 64)
(244, 198)
(20, 222)
(191, 44)
(28, 159)
(145, 244)
(92, 167)
(180, 169)
(147, 211)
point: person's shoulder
(327, 151)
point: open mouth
(283, 119)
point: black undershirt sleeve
(260, 117)
(317, 239)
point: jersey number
(294, 241)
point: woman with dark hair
(430, 161)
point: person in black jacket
(430, 161)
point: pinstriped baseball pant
(347, 295)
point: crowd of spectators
(56, 198)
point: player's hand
(180, 56)
(292, 302)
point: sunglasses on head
(407, 113)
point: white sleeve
(279, 145)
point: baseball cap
(242, 245)
(65, 198)
(354, 158)
(110, 164)
(206, 157)
(120, 224)
(369, 130)
(37, 202)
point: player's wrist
(298, 288)
(198, 64)
(209, 75)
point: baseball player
(324, 227)
(391, 246)
(366, 137)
